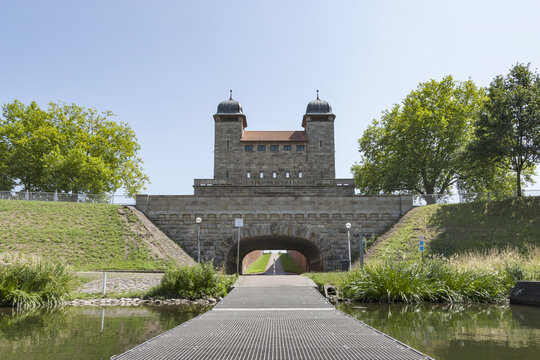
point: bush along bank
(192, 282)
(434, 280)
(25, 284)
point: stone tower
(297, 162)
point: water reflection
(84, 332)
(458, 331)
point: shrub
(25, 284)
(193, 282)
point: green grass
(289, 265)
(84, 236)
(259, 266)
(451, 229)
(325, 278)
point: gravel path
(118, 282)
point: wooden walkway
(273, 317)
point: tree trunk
(518, 179)
(429, 197)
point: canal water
(473, 332)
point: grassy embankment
(259, 266)
(474, 252)
(84, 236)
(289, 265)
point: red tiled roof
(274, 136)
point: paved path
(283, 318)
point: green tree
(419, 146)
(507, 133)
(69, 148)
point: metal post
(348, 226)
(198, 220)
(349, 241)
(274, 266)
(199, 243)
(361, 250)
(238, 254)
(104, 283)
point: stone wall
(314, 226)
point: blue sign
(421, 243)
(421, 248)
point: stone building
(283, 185)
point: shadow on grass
(485, 225)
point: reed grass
(434, 280)
(28, 284)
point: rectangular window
(274, 174)
(320, 143)
(227, 144)
(248, 175)
(261, 147)
(248, 148)
(300, 174)
(286, 147)
(261, 174)
(299, 147)
(287, 174)
(274, 147)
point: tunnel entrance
(307, 249)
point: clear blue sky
(163, 66)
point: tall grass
(434, 281)
(27, 284)
(192, 282)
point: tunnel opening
(272, 255)
(306, 250)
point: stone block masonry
(314, 226)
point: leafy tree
(69, 148)
(508, 130)
(418, 146)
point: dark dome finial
(318, 106)
(230, 107)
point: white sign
(238, 222)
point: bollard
(274, 266)
(104, 283)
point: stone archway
(274, 236)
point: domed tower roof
(318, 110)
(318, 106)
(229, 107)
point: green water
(84, 333)
(473, 332)
(458, 332)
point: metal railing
(457, 198)
(65, 197)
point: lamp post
(348, 226)
(198, 220)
